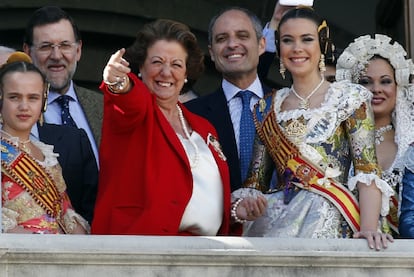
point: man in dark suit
(235, 44)
(53, 41)
(78, 164)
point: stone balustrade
(100, 256)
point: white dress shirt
(204, 212)
(235, 103)
(52, 115)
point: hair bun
(19, 56)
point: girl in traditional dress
(33, 190)
(312, 132)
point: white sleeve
(269, 35)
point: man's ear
(79, 50)
(26, 48)
(211, 53)
(262, 45)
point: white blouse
(204, 212)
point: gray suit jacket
(92, 105)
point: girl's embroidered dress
(20, 205)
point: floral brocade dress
(331, 137)
(20, 207)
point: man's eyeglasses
(65, 47)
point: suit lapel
(92, 105)
(219, 116)
(52, 136)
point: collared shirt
(269, 35)
(235, 103)
(34, 133)
(52, 115)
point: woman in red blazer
(162, 168)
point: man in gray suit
(53, 41)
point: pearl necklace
(379, 133)
(194, 160)
(304, 102)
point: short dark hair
(257, 24)
(170, 30)
(48, 15)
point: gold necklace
(25, 147)
(304, 102)
(20, 143)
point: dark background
(109, 25)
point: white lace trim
(71, 219)
(330, 222)
(245, 192)
(341, 101)
(47, 150)
(403, 120)
(368, 178)
(352, 62)
(9, 219)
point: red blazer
(145, 180)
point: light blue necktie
(63, 102)
(247, 132)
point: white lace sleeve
(368, 178)
(71, 219)
(9, 219)
(245, 192)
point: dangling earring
(322, 66)
(139, 75)
(41, 119)
(282, 69)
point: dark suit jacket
(78, 164)
(92, 105)
(214, 108)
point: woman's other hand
(251, 208)
(375, 239)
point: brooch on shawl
(262, 105)
(211, 140)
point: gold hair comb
(19, 56)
